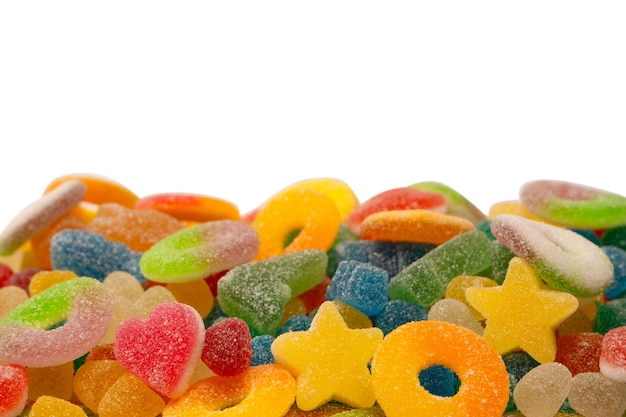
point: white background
(239, 99)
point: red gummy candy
(5, 274)
(579, 352)
(228, 347)
(13, 389)
(404, 198)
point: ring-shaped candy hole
(439, 380)
(308, 211)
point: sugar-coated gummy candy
(190, 207)
(617, 289)
(454, 311)
(354, 318)
(10, 297)
(48, 406)
(262, 350)
(511, 324)
(594, 395)
(83, 307)
(227, 347)
(39, 214)
(574, 205)
(99, 189)
(42, 240)
(457, 286)
(138, 229)
(76, 250)
(542, 391)
(425, 280)
(374, 411)
(579, 352)
(43, 280)
(94, 378)
(398, 312)
(414, 346)
(421, 226)
(518, 364)
(402, 198)
(199, 251)
(13, 389)
(5, 273)
(564, 259)
(614, 236)
(457, 204)
(22, 278)
(390, 256)
(163, 349)
(311, 212)
(329, 361)
(278, 279)
(264, 390)
(612, 361)
(609, 315)
(361, 285)
(439, 380)
(294, 323)
(55, 381)
(130, 396)
(194, 293)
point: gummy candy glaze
(315, 304)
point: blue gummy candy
(440, 380)
(617, 289)
(393, 257)
(398, 312)
(88, 254)
(262, 350)
(360, 285)
(610, 315)
(295, 323)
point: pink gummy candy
(164, 349)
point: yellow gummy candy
(456, 290)
(54, 381)
(48, 406)
(522, 313)
(330, 360)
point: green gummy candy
(458, 205)
(257, 292)
(424, 282)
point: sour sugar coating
(27, 336)
(308, 211)
(99, 189)
(522, 312)
(164, 349)
(264, 390)
(574, 205)
(75, 250)
(541, 392)
(330, 360)
(415, 346)
(563, 258)
(613, 354)
(13, 389)
(420, 226)
(403, 198)
(190, 207)
(227, 347)
(257, 292)
(39, 214)
(594, 395)
(338, 191)
(425, 280)
(199, 251)
(360, 285)
(457, 204)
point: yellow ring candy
(415, 346)
(307, 210)
(263, 390)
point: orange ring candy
(342, 195)
(307, 210)
(262, 390)
(415, 346)
(190, 207)
(99, 189)
(417, 225)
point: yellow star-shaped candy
(330, 360)
(523, 312)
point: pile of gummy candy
(410, 303)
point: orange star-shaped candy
(330, 360)
(523, 312)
